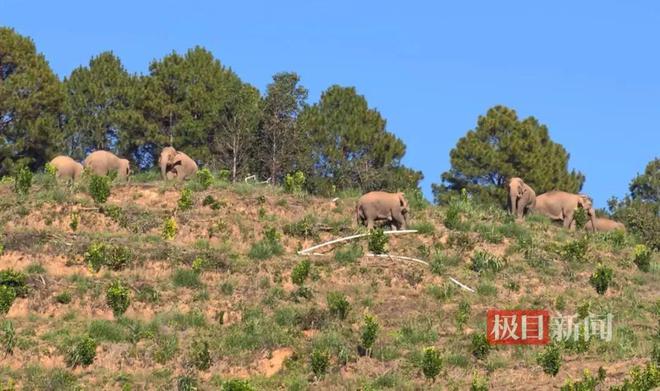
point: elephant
(165, 156)
(521, 197)
(605, 225)
(104, 162)
(379, 206)
(67, 168)
(560, 205)
(182, 166)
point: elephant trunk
(513, 195)
(592, 216)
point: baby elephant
(382, 206)
(181, 167)
(104, 162)
(67, 168)
(604, 225)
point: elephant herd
(173, 165)
(557, 205)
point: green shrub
(99, 188)
(480, 346)
(82, 352)
(95, 256)
(267, 247)
(204, 178)
(304, 228)
(461, 241)
(50, 170)
(463, 314)
(416, 199)
(581, 343)
(118, 298)
(369, 332)
(478, 383)
(200, 356)
(482, 261)
(601, 278)
(550, 359)
(575, 250)
(338, 304)
(185, 200)
(237, 385)
(641, 379)
(118, 257)
(319, 362)
(424, 227)
(8, 337)
(23, 181)
(377, 243)
(293, 183)
(186, 383)
(580, 217)
(431, 363)
(7, 297)
(348, 254)
(16, 280)
(642, 257)
(169, 228)
(212, 202)
(224, 175)
(63, 297)
(186, 278)
(300, 272)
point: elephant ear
(402, 201)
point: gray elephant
(166, 155)
(382, 206)
(522, 197)
(104, 162)
(560, 205)
(605, 225)
(181, 167)
(67, 168)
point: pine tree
(31, 99)
(502, 146)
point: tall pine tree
(31, 100)
(502, 146)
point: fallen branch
(302, 252)
(389, 256)
(467, 288)
(253, 177)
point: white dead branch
(467, 288)
(251, 177)
(390, 256)
(347, 238)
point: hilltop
(227, 297)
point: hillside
(222, 286)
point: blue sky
(589, 70)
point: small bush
(478, 383)
(224, 175)
(16, 280)
(82, 352)
(463, 314)
(200, 356)
(588, 382)
(75, 220)
(431, 363)
(186, 383)
(304, 228)
(95, 256)
(118, 298)
(63, 297)
(237, 385)
(601, 278)
(424, 227)
(212, 202)
(550, 359)
(482, 261)
(118, 257)
(99, 188)
(378, 241)
(319, 362)
(8, 337)
(186, 278)
(293, 183)
(369, 332)
(580, 217)
(185, 200)
(23, 181)
(169, 228)
(7, 297)
(300, 272)
(204, 178)
(267, 247)
(461, 241)
(575, 250)
(642, 257)
(480, 346)
(348, 254)
(338, 305)
(641, 379)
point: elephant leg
(520, 210)
(568, 221)
(370, 223)
(399, 220)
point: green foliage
(204, 178)
(82, 352)
(15, 280)
(8, 337)
(462, 314)
(369, 332)
(576, 250)
(580, 217)
(118, 298)
(186, 278)
(503, 146)
(483, 261)
(550, 359)
(338, 304)
(200, 357)
(63, 297)
(50, 169)
(185, 201)
(212, 202)
(75, 220)
(348, 254)
(300, 272)
(7, 297)
(601, 278)
(579, 341)
(293, 183)
(99, 188)
(23, 181)
(423, 227)
(641, 379)
(478, 383)
(237, 385)
(431, 363)
(114, 257)
(186, 383)
(319, 361)
(95, 256)
(642, 257)
(480, 346)
(303, 228)
(377, 241)
(169, 228)
(267, 247)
